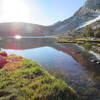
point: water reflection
(67, 61)
(96, 54)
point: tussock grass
(32, 82)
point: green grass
(79, 40)
(66, 41)
(32, 82)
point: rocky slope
(87, 14)
(22, 29)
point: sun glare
(15, 11)
(17, 37)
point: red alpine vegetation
(3, 61)
(4, 54)
(14, 62)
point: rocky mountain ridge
(89, 11)
(87, 14)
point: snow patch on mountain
(89, 22)
(96, 15)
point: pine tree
(97, 33)
(88, 31)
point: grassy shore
(26, 80)
(79, 40)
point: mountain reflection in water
(67, 61)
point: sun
(15, 11)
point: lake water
(69, 62)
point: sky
(44, 12)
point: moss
(32, 82)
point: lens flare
(17, 37)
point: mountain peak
(92, 4)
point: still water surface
(70, 62)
